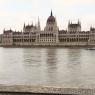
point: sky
(14, 13)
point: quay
(44, 90)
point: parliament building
(32, 35)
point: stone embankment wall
(44, 90)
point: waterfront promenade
(44, 90)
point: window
(51, 28)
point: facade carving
(32, 35)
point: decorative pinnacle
(24, 25)
(51, 13)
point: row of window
(47, 35)
(73, 35)
(25, 40)
(74, 32)
(24, 37)
(74, 40)
(46, 40)
(28, 33)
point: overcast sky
(13, 13)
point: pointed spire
(91, 27)
(32, 23)
(78, 21)
(24, 25)
(39, 28)
(4, 30)
(69, 22)
(35, 25)
(38, 22)
(51, 13)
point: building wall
(7, 38)
(92, 37)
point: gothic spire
(24, 25)
(69, 22)
(51, 13)
(78, 21)
(4, 30)
(39, 28)
(91, 27)
(32, 23)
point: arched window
(51, 28)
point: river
(68, 67)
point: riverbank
(45, 90)
(42, 46)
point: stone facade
(50, 34)
(32, 35)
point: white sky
(13, 13)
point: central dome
(51, 18)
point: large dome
(51, 18)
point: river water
(47, 66)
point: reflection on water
(51, 64)
(74, 66)
(47, 66)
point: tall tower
(52, 28)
